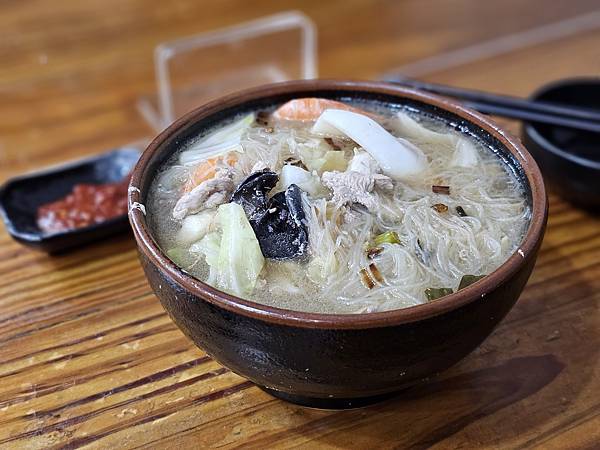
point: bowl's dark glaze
(569, 159)
(346, 367)
(20, 198)
(332, 360)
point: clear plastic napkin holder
(194, 70)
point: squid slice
(397, 157)
(410, 128)
(465, 153)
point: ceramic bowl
(569, 159)
(328, 360)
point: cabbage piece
(177, 255)
(240, 257)
(319, 268)
(308, 182)
(234, 258)
(397, 157)
(465, 154)
(194, 227)
(333, 160)
(209, 246)
(321, 160)
(228, 132)
(221, 141)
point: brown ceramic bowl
(328, 360)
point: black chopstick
(533, 116)
(513, 107)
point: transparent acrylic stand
(193, 70)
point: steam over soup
(334, 207)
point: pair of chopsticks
(513, 107)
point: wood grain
(89, 358)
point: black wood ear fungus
(278, 222)
(251, 194)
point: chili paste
(87, 204)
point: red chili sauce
(87, 204)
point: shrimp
(310, 108)
(206, 170)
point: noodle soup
(334, 207)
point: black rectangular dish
(20, 198)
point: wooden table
(88, 356)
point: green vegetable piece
(209, 246)
(334, 160)
(177, 255)
(224, 140)
(234, 257)
(389, 237)
(322, 160)
(468, 280)
(435, 293)
(240, 258)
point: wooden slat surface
(88, 356)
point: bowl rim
(477, 291)
(540, 139)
